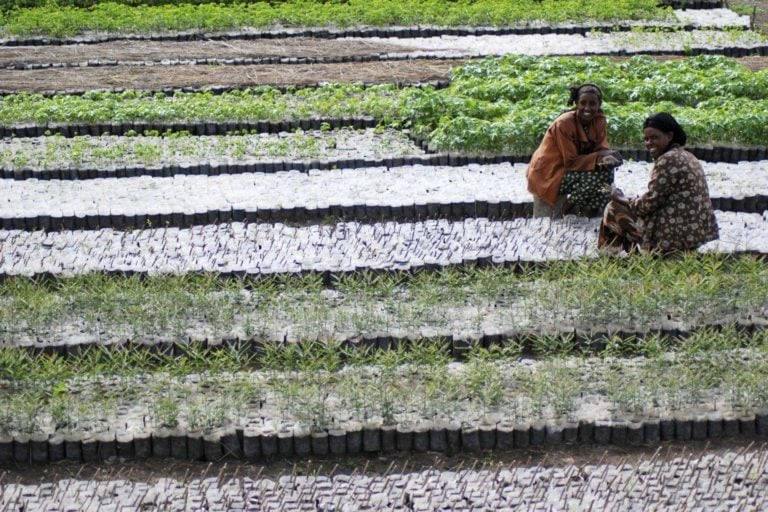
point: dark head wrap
(664, 122)
(584, 88)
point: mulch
(199, 76)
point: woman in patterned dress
(675, 214)
(573, 162)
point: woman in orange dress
(573, 162)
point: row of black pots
(266, 166)
(256, 443)
(493, 210)
(728, 154)
(294, 215)
(193, 127)
(216, 89)
(457, 345)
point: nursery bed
(599, 354)
(680, 478)
(495, 191)
(109, 156)
(293, 50)
(436, 406)
(237, 248)
(455, 317)
(680, 19)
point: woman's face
(656, 141)
(587, 107)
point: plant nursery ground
(329, 295)
(211, 75)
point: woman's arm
(659, 188)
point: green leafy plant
(69, 17)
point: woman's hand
(608, 158)
(609, 161)
(616, 194)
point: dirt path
(160, 77)
(199, 76)
(140, 51)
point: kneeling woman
(573, 162)
(675, 214)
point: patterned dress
(586, 190)
(675, 214)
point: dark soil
(160, 77)
(139, 51)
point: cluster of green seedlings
(320, 385)
(498, 105)
(57, 152)
(598, 295)
(66, 18)
(262, 103)
(506, 104)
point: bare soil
(139, 51)
(196, 76)
(160, 76)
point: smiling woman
(675, 214)
(573, 162)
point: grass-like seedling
(639, 294)
(203, 389)
(109, 152)
(323, 381)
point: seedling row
(709, 388)
(358, 18)
(462, 306)
(178, 153)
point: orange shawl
(565, 147)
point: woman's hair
(664, 122)
(584, 88)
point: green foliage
(497, 105)
(506, 104)
(59, 18)
(257, 103)
(578, 295)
